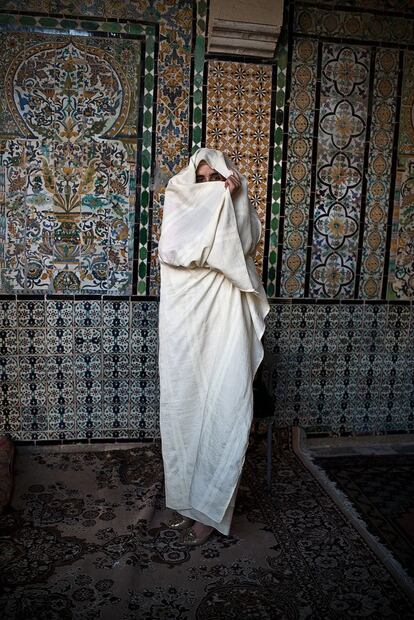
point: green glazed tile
(90, 25)
(142, 270)
(7, 19)
(145, 179)
(144, 199)
(279, 138)
(197, 115)
(147, 119)
(50, 22)
(148, 100)
(146, 138)
(144, 218)
(143, 253)
(142, 287)
(149, 63)
(277, 153)
(277, 173)
(111, 27)
(272, 257)
(149, 82)
(275, 205)
(197, 134)
(26, 20)
(70, 24)
(280, 98)
(145, 160)
(273, 239)
(143, 236)
(133, 28)
(270, 290)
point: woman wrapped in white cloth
(211, 321)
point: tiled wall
(79, 369)
(325, 136)
(342, 368)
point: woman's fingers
(233, 183)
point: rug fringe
(398, 572)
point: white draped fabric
(212, 311)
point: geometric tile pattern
(357, 25)
(334, 368)
(401, 280)
(340, 159)
(281, 74)
(379, 172)
(341, 368)
(197, 85)
(238, 123)
(79, 369)
(299, 167)
(172, 118)
(146, 158)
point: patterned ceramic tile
(59, 313)
(238, 123)
(8, 314)
(340, 157)
(31, 313)
(199, 51)
(281, 75)
(116, 366)
(364, 26)
(76, 207)
(88, 313)
(353, 372)
(299, 167)
(88, 340)
(115, 340)
(401, 279)
(88, 366)
(379, 172)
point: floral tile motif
(32, 342)
(340, 160)
(88, 313)
(8, 314)
(59, 313)
(116, 314)
(341, 368)
(299, 167)
(361, 25)
(116, 366)
(379, 172)
(74, 182)
(88, 366)
(31, 313)
(401, 269)
(238, 123)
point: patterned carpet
(382, 490)
(86, 539)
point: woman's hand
(233, 183)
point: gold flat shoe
(179, 522)
(191, 539)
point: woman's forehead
(204, 168)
